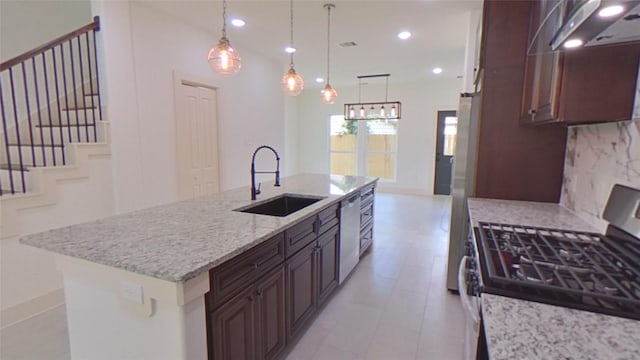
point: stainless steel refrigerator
(463, 185)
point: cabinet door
(328, 253)
(301, 289)
(270, 292)
(543, 73)
(233, 328)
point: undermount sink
(282, 205)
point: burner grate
(583, 269)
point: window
(363, 147)
(450, 132)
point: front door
(197, 141)
(445, 146)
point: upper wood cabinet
(578, 86)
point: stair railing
(49, 96)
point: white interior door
(197, 141)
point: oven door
(470, 298)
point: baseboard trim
(30, 308)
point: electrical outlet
(132, 292)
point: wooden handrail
(95, 25)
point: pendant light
(223, 58)
(292, 83)
(329, 94)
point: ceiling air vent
(347, 44)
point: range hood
(586, 23)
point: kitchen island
(520, 329)
(135, 283)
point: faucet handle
(258, 189)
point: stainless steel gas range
(582, 270)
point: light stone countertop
(179, 241)
(526, 330)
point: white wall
(139, 76)
(416, 130)
(25, 24)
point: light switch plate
(132, 291)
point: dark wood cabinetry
(263, 299)
(543, 70)
(328, 258)
(252, 324)
(576, 86)
(514, 162)
(301, 289)
(366, 218)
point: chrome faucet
(255, 191)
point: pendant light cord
(224, 18)
(328, 38)
(291, 18)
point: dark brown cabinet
(252, 324)
(366, 218)
(301, 289)
(312, 276)
(328, 257)
(543, 69)
(576, 86)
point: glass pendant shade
(383, 112)
(223, 59)
(329, 94)
(292, 83)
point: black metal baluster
(93, 108)
(35, 85)
(75, 93)
(26, 99)
(66, 95)
(84, 94)
(6, 141)
(46, 86)
(55, 76)
(15, 118)
(95, 56)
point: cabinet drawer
(328, 218)
(300, 235)
(233, 275)
(366, 194)
(366, 238)
(366, 214)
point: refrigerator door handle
(464, 296)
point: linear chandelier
(379, 110)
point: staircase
(52, 120)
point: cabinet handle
(254, 266)
(532, 111)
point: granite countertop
(179, 241)
(526, 330)
(520, 329)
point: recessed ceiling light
(573, 43)
(437, 70)
(612, 10)
(289, 50)
(238, 22)
(404, 35)
(319, 80)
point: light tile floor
(395, 306)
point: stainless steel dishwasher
(349, 235)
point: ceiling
(438, 28)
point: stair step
(34, 145)
(65, 125)
(13, 167)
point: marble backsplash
(597, 157)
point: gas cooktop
(582, 270)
